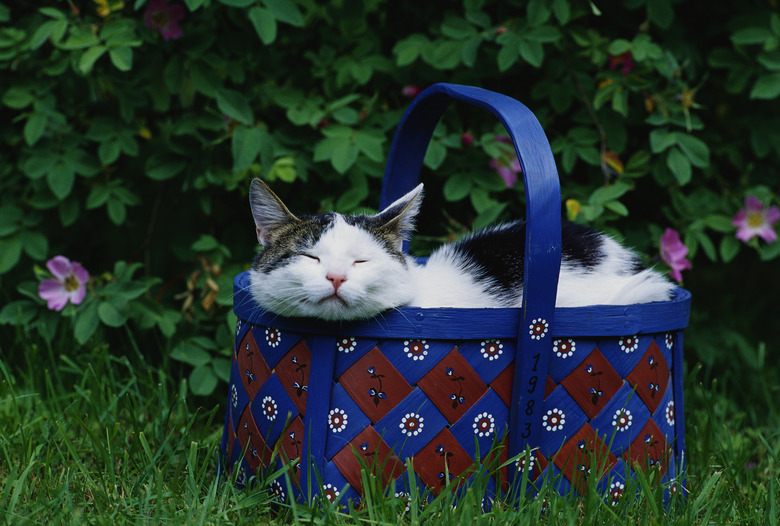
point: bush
(133, 129)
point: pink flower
(68, 284)
(507, 167)
(411, 91)
(164, 17)
(673, 252)
(754, 220)
(624, 60)
(466, 139)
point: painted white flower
(269, 408)
(669, 339)
(492, 349)
(554, 420)
(670, 413)
(484, 424)
(416, 349)
(330, 492)
(277, 491)
(528, 461)
(538, 328)
(346, 344)
(622, 419)
(411, 424)
(629, 344)
(273, 337)
(616, 491)
(337, 420)
(564, 348)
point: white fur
(375, 281)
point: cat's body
(338, 267)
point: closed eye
(315, 258)
(359, 261)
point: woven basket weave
(442, 386)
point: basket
(572, 388)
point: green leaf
(121, 58)
(543, 34)
(507, 56)
(457, 187)
(617, 207)
(719, 223)
(69, 210)
(52, 12)
(445, 54)
(751, 35)
(203, 381)
(435, 155)
(766, 87)
(264, 24)
(17, 97)
(89, 57)
(97, 196)
(18, 312)
(532, 53)
(80, 39)
(407, 50)
(109, 151)
(344, 155)
(370, 145)
(237, 3)
(86, 323)
(161, 167)
(60, 180)
(679, 165)
(110, 315)
(285, 11)
(729, 248)
(35, 244)
(245, 145)
(562, 11)
(205, 243)
(695, 149)
(116, 210)
(34, 128)
(661, 139)
(190, 353)
(457, 28)
(10, 252)
(235, 105)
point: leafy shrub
(129, 144)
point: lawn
(97, 434)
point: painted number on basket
(529, 407)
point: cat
(341, 267)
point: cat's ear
(268, 210)
(399, 216)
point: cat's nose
(336, 279)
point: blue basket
(578, 387)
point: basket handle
(543, 230)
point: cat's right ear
(400, 215)
(268, 210)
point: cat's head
(331, 266)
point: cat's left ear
(268, 211)
(400, 215)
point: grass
(90, 436)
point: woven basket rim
(460, 323)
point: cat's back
(485, 269)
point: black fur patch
(497, 255)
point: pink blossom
(755, 220)
(624, 60)
(466, 139)
(164, 17)
(673, 252)
(68, 284)
(411, 91)
(507, 167)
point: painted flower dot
(629, 344)
(554, 420)
(622, 419)
(669, 339)
(277, 491)
(492, 349)
(616, 491)
(416, 349)
(330, 492)
(234, 395)
(346, 344)
(564, 348)
(273, 337)
(484, 424)
(337, 420)
(269, 408)
(670, 413)
(411, 424)
(538, 328)
(527, 461)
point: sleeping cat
(338, 267)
